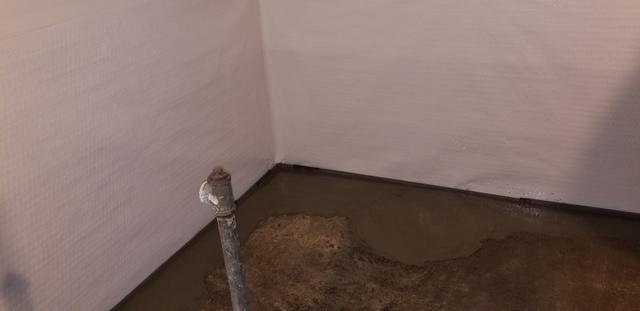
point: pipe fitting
(216, 191)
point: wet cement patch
(315, 263)
(405, 224)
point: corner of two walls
(113, 112)
(111, 115)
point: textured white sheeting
(536, 99)
(111, 115)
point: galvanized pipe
(216, 191)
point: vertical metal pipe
(217, 191)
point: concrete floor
(406, 224)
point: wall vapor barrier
(113, 112)
(534, 99)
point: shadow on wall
(15, 294)
(612, 160)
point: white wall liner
(112, 112)
(111, 115)
(534, 99)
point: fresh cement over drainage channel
(410, 224)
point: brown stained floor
(407, 247)
(315, 263)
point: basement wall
(537, 99)
(111, 115)
(113, 112)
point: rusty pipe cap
(219, 176)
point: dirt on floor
(315, 263)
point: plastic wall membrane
(112, 113)
(537, 99)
